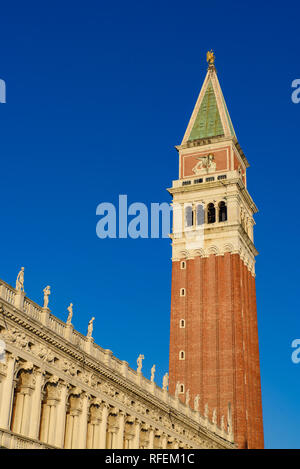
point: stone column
(23, 394)
(157, 440)
(144, 436)
(17, 412)
(72, 421)
(136, 441)
(93, 430)
(49, 415)
(151, 438)
(83, 422)
(205, 208)
(75, 413)
(233, 209)
(217, 211)
(121, 425)
(129, 432)
(61, 416)
(44, 423)
(26, 411)
(112, 429)
(52, 421)
(103, 426)
(7, 393)
(35, 417)
(164, 441)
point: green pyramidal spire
(208, 121)
(210, 117)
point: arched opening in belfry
(211, 213)
(200, 215)
(222, 211)
(189, 216)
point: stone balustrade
(12, 440)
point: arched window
(182, 323)
(181, 355)
(182, 291)
(211, 213)
(183, 265)
(181, 388)
(222, 211)
(189, 216)
(200, 215)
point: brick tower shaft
(214, 354)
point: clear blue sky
(98, 94)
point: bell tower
(214, 352)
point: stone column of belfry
(213, 337)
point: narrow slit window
(182, 323)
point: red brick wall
(220, 341)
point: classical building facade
(58, 389)
(214, 353)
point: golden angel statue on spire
(210, 57)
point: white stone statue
(196, 403)
(187, 397)
(214, 417)
(165, 382)
(177, 390)
(70, 309)
(20, 280)
(46, 296)
(153, 373)
(90, 328)
(140, 363)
